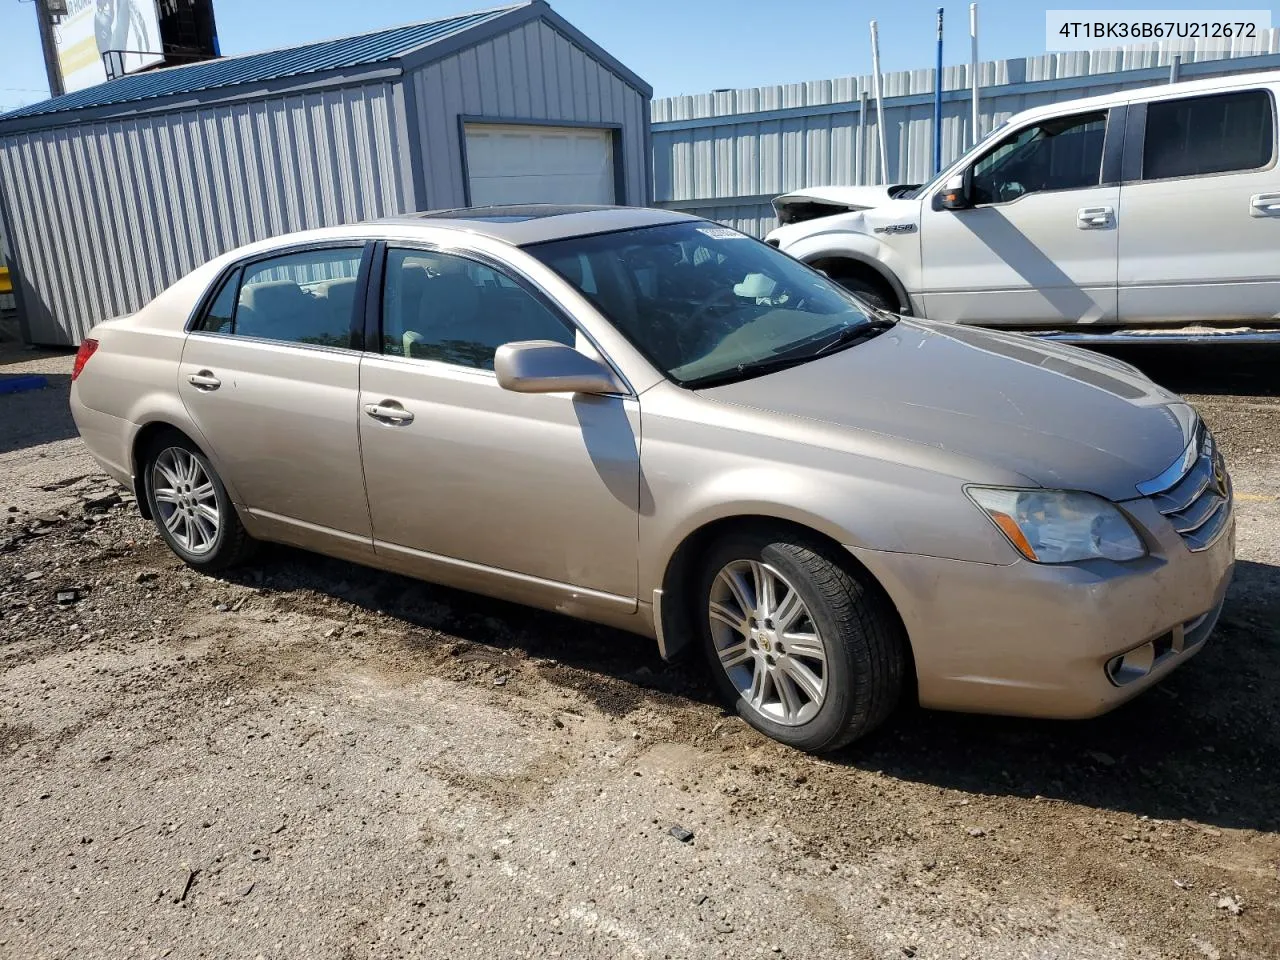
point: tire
(873, 293)
(863, 667)
(184, 493)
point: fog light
(1133, 665)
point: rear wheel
(191, 508)
(807, 650)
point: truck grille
(1199, 504)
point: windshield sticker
(721, 233)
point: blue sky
(679, 46)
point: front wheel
(808, 650)
(191, 508)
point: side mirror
(954, 196)
(543, 366)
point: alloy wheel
(186, 500)
(767, 642)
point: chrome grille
(1198, 504)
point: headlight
(1058, 526)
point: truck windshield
(708, 305)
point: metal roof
(338, 54)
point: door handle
(1264, 205)
(388, 411)
(1095, 218)
(204, 380)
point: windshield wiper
(859, 333)
(847, 337)
(745, 371)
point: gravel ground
(311, 759)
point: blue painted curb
(18, 383)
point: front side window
(306, 297)
(1064, 153)
(437, 306)
(707, 304)
(1213, 134)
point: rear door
(1200, 210)
(270, 374)
(1039, 245)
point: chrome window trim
(215, 287)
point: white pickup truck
(1155, 210)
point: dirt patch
(309, 758)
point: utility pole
(50, 48)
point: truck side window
(1212, 134)
(1064, 153)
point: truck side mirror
(954, 196)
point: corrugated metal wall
(725, 155)
(563, 83)
(106, 215)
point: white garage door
(535, 164)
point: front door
(1039, 245)
(269, 377)
(470, 484)
(1201, 234)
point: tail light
(87, 350)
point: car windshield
(707, 304)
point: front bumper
(1037, 640)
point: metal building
(111, 193)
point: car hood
(1059, 416)
(849, 198)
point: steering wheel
(691, 335)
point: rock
(682, 834)
(700, 899)
(146, 576)
(101, 503)
(67, 597)
(1232, 905)
(500, 681)
(723, 926)
(33, 575)
(1181, 884)
(908, 951)
(1208, 949)
(221, 607)
(977, 832)
(245, 890)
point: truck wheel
(873, 293)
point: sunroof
(509, 213)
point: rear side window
(307, 297)
(1211, 134)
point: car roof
(1166, 91)
(531, 223)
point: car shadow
(1200, 746)
(1209, 369)
(34, 417)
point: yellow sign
(6, 285)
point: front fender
(884, 259)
